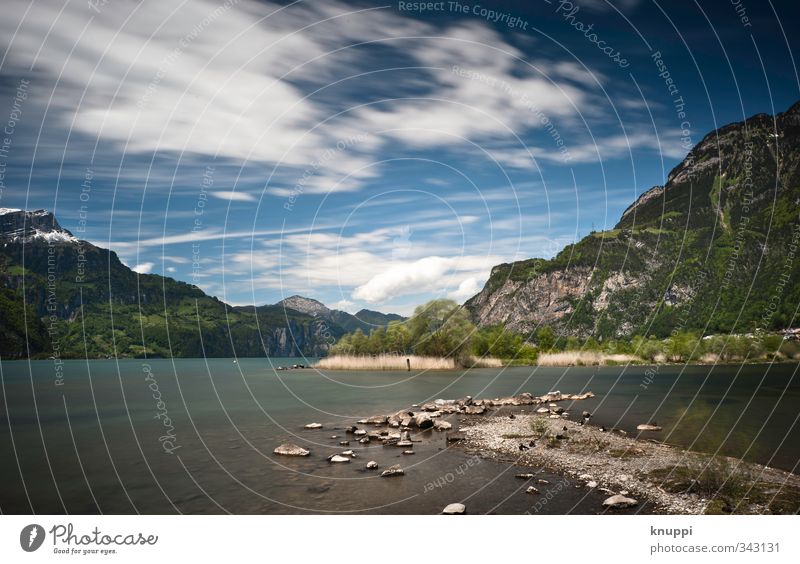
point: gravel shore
(617, 464)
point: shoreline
(673, 479)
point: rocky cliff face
(706, 251)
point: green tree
(441, 328)
(546, 338)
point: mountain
(366, 319)
(65, 297)
(714, 249)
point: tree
(441, 328)
(496, 341)
(546, 338)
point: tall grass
(582, 358)
(385, 362)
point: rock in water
(474, 410)
(648, 427)
(289, 449)
(423, 420)
(393, 471)
(524, 476)
(371, 465)
(349, 453)
(338, 458)
(314, 426)
(442, 426)
(620, 501)
(455, 509)
(532, 490)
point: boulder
(440, 425)
(456, 436)
(395, 419)
(423, 421)
(475, 410)
(552, 396)
(431, 406)
(351, 429)
(591, 484)
(392, 471)
(344, 443)
(454, 509)
(531, 490)
(648, 427)
(524, 476)
(338, 458)
(364, 440)
(408, 452)
(619, 501)
(542, 410)
(349, 453)
(290, 449)
(372, 465)
(314, 426)
(360, 433)
(377, 420)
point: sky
(367, 154)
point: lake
(196, 435)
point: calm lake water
(99, 442)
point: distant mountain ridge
(58, 295)
(711, 250)
(365, 319)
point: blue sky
(366, 154)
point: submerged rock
(619, 501)
(474, 410)
(532, 490)
(648, 427)
(372, 465)
(524, 476)
(455, 509)
(423, 420)
(442, 426)
(393, 471)
(290, 449)
(314, 426)
(338, 458)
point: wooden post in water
(408, 364)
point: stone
(344, 443)
(290, 449)
(591, 484)
(408, 452)
(542, 482)
(349, 453)
(360, 433)
(542, 410)
(364, 441)
(423, 420)
(314, 426)
(377, 420)
(372, 465)
(474, 410)
(648, 427)
(456, 436)
(619, 501)
(455, 509)
(404, 444)
(351, 429)
(392, 471)
(395, 419)
(440, 425)
(338, 458)
(524, 476)
(532, 490)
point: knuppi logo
(31, 537)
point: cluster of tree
(442, 328)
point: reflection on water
(98, 443)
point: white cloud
(171, 269)
(468, 288)
(417, 277)
(143, 268)
(234, 196)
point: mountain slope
(366, 319)
(61, 296)
(713, 249)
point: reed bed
(385, 362)
(583, 358)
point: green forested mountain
(68, 297)
(714, 249)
